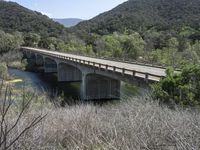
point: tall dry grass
(134, 124)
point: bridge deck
(139, 70)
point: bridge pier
(31, 59)
(28, 54)
(99, 87)
(39, 60)
(67, 73)
(50, 65)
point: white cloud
(47, 14)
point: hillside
(15, 17)
(141, 15)
(154, 31)
(68, 22)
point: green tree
(156, 56)
(180, 88)
(186, 31)
(2, 41)
(113, 46)
(172, 50)
(3, 70)
(10, 42)
(18, 39)
(133, 46)
(196, 47)
(31, 39)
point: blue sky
(84, 9)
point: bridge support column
(99, 87)
(50, 65)
(67, 73)
(28, 54)
(39, 60)
(31, 58)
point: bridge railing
(129, 61)
(106, 67)
(125, 60)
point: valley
(129, 78)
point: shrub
(3, 70)
(180, 88)
(131, 124)
(12, 115)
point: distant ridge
(14, 17)
(68, 22)
(141, 15)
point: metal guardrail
(129, 61)
(123, 71)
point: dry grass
(134, 125)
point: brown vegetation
(131, 124)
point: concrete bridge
(100, 78)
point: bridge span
(100, 78)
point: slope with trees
(170, 29)
(14, 17)
(142, 15)
(154, 31)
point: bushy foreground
(131, 124)
(179, 88)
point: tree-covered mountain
(155, 31)
(14, 17)
(68, 22)
(141, 15)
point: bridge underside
(27, 54)
(31, 58)
(67, 73)
(50, 66)
(100, 87)
(39, 60)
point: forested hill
(141, 15)
(14, 17)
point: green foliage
(3, 70)
(112, 47)
(141, 15)
(133, 45)
(120, 45)
(171, 50)
(10, 42)
(180, 88)
(187, 31)
(153, 31)
(161, 32)
(31, 39)
(9, 52)
(15, 17)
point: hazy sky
(84, 9)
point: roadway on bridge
(130, 66)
